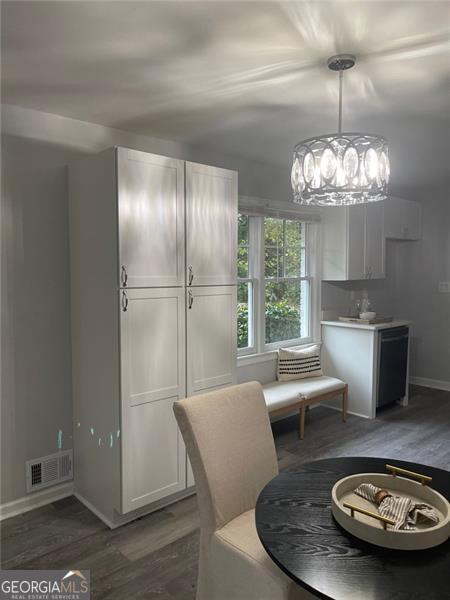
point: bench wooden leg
(344, 403)
(302, 421)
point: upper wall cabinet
(211, 225)
(374, 246)
(151, 219)
(402, 219)
(353, 242)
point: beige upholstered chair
(230, 445)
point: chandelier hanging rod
(341, 63)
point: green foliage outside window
(242, 325)
(284, 254)
(242, 246)
(282, 322)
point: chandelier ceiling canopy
(340, 168)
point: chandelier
(340, 168)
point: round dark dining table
(296, 528)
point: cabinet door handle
(191, 275)
(124, 301)
(123, 276)
(190, 300)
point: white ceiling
(244, 77)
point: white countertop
(374, 327)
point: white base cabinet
(142, 339)
(351, 352)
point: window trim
(251, 325)
(256, 274)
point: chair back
(231, 448)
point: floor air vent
(49, 470)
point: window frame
(252, 270)
(256, 272)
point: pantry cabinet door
(151, 219)
(374, 247)
(211, 225)
(152, 378)
(211, 338)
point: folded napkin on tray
(404, 511)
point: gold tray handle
(424, 479)
(369, 513)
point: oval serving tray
(367, 525)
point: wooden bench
(283, 397)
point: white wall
(418, 268)
(36, 375)
(36, 372)
(264, 372)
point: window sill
(261, 357)
(253, 359)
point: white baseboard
(31, 501)
(436, 384)
(349, 412)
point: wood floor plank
(52, 531)
(151, 573)
(162, 534)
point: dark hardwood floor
(155, 557)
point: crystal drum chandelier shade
(340, 168)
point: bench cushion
(279, 394)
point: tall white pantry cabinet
(153, 299)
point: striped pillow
(299, 364)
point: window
(274, 283)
